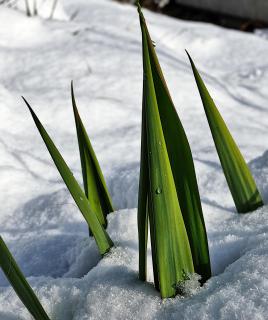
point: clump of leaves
(168, 192)
(102, 238)
(94, 183)
(20, 284)
(239, 178)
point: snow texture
(97, 43)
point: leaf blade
(103, 240)
(239, 178)
(170, 247)
(94, 183)
(183, 170)
(20, 284)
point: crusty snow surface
(97, 44)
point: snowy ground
(100, 49)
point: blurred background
(244, 15)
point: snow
(99, 47)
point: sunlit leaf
(239, 178)
(94, 183)
(20, 284)
(168, 189)
(102, 238)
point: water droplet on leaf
(158, 190)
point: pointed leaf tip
(190, 59)
(30, 109)
(72, 89)
(72, 86)
(27, 104)
(137, 3)
(74, 102)
(241, 183)
(187, 53)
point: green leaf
(181, 162)
(171, 252)
(20, 284)
(239, 178)
(94, 183)
(103, 240)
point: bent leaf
(239, 178)
(103, 240)
(181, 162)
(171, 252)
(94, 183)
(20, 284)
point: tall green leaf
(20, 284)
(181, 163)
(239, 178)
(102, 238)
(94, 183)
(171, 251)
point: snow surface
(99, 47)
